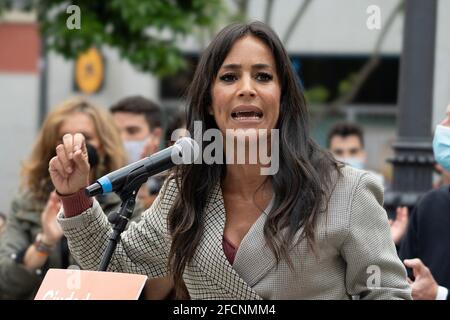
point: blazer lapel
(254, 259)
(209, 256)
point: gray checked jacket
(356, 256)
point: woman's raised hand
(69, 169)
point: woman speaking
(315, 229)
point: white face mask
(134, 149)
(356, 163)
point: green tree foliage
(144, 32)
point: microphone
(184, 151)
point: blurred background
(346, 53)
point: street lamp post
(413, 160)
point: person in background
(2, 222)
(33, 241)
(346, 143)
(139, 122)
(426, 246)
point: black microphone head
(93, 190)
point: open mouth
(246, 115)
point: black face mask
(92, 155)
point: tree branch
(290, 30)
(242, 6)
(268, 13)
(367, 69)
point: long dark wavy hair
(302, 184)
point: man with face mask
(426, 247)
(346, 143)
(139, 122)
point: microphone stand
(121, 218)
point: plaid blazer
(356, 257)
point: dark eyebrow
(234, 66)
(261, 66)
(132, 126)
(231, 66)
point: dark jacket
(24, 223)
(428, 235)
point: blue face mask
(441, 146)
(353, 162)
